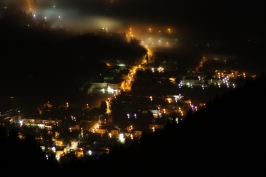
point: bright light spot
(57, 157)
(122, 138)
(109, 89)
(160, 69)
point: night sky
(206, 17)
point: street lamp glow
(121, 138)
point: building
(41, 123)
(154, 127)
(193, 80)
(114, 132)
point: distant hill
(39, 60)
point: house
(114, 131)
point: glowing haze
(162, 21)
(91, 15)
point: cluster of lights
(180, 84)
(167, 30)
(94, 129)
(159, 69)
(180, 111)
(178, 97)
(128, 115)
(225, 80)
(110, 90)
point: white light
(90, 152)
(57, 157)
(109, 89)
(121, 138)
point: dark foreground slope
(226, 138)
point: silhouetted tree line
(23, 156)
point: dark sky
(234, 16)
(202, 14)
(200, 18)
